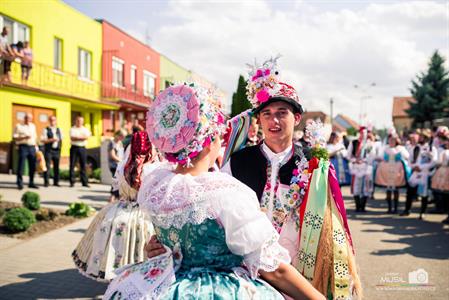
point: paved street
(388, 248)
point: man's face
(53, 121)
(28, 118)
(278, 122)
(79, 121)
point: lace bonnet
(182, 120)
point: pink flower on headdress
(262, 96)
(267, 72)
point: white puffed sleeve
(248, 231)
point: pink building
(130, 77)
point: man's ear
(298, 118)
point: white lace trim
(175, 200)
(267, 258)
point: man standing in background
(25, 137)
(52, 137)
(78, 137)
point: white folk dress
(118, 233)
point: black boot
(396, 201)
(363, 203)
(357, 203)
(389, 201)
(424, 201)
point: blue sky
(327, 46)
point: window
(117, 72)
(133, 78)
(57, 56)
(84, 63)
(17, 31)
(148, 83)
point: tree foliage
(431, 93)
(239, 100)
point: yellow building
(66, 74)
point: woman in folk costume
(422, 169)
(209, 222)
(361, 154)
(117, 235)
(280, 173)
(393, 171)
(440, 180)
(337, 154)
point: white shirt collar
(281, 157)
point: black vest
(249, 165)
(48, 146)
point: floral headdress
(264, 86)
(182, 120)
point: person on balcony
(51, 138)
(25, 137)
(26, 62)
(78, 137)
(6, 55)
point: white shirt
(79, 132)
(3, 42)
(44, 136)
(22, 130)
(276, 160)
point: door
(41, 116)
(40, 119)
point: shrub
(31, 200)
(19, 219)
(79, 210)
(97, 174)
(64, 174)
(2, 212)
(45, 214)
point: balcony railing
(46, 78)
(114, 92)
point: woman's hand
(154, 247)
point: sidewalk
(42, 267)
(56, 197)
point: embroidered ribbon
(236, 134)
(340, 250)
(313, 220)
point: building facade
(66, 74)
(401, 120)
(130, 77)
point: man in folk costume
(298, 191)
(361, 156)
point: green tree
(431, 93)
(239, 100)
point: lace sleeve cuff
(267, 258)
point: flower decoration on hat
(183, 120)
(264, 86)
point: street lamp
(363, 91)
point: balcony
(46, 79)
(127, 94)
